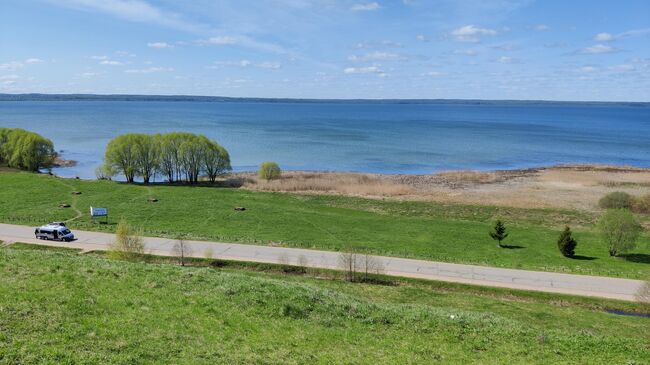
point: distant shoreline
(227, 99)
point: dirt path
(73, 202)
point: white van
(54, 232)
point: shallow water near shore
(416, 138)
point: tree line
(25, 150)
(176, 156)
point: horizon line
(3, 97)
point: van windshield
(65, 231)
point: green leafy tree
(147, 150)
(499, 232)
(269, 170)
(216, 160)
(620, 230)
(25, 150)
(122, 156)
(170, 163)
(192, 154)
(566, 243)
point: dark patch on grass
(512, 247)
(636, 257)
(581, 257)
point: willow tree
(121, 156)
(216, 160)
(170, 163)
(25, 150)
(192, 152)
(147, 149)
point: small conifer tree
(499, 232)
(566, 243)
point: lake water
(365, 137)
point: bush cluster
(25, 150)
(623, 200)
(174, 156)
(269, 170)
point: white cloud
(220, 40)
(598, 49)
(9, 77)
(622, 67)
(608, 37)
(89, 74)
(136, 11)
(466, 52)
(541, 27)
(363, 70)
(159, 45)
(382, 44)
(433, 74)
(111, 63)
(471, 33)
(603, 37)
(365, 7)
(508, 60)
(149, 70)
(247, 63)
(376, 56)
(634, 33)
(143, 11)
(31, 61)
(124, 54)
(269, 65)
(242, 41)
(504, 47)
(588, 69)
(11, 66)
(99, 58)
(421, 38)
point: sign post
(99, 212)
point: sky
(596, 50)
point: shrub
(128, 242)
(641, 204)
(104, 172)
(566, 244)
(269, 170)
(499, 232)
(619, 230)
(616, 200)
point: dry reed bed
(343, 183)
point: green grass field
(59, 307)
(445, 232)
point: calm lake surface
(365, 137)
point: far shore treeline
(25, 150)
(174, 156)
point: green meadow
(443, 232)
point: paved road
(595, 286)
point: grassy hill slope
(61, 307)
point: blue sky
(472, 49)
